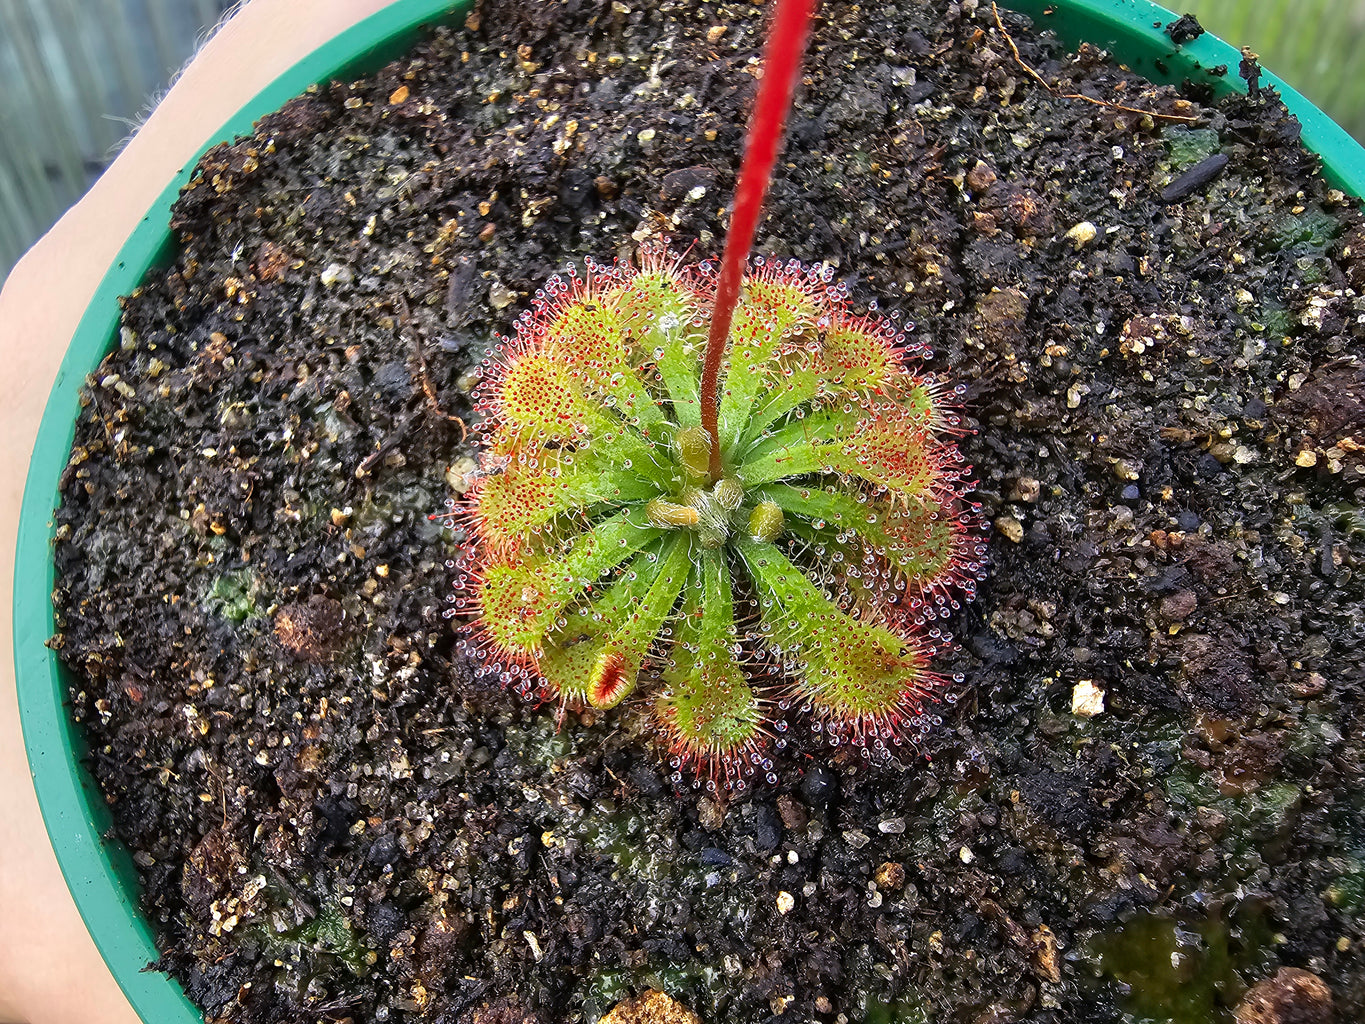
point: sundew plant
(724, 488)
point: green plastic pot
(99, 872)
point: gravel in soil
(1148, 794)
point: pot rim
(100, 874)
(1137, 30)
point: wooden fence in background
(1317, 46)
(75, 75)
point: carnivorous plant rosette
(801, 570)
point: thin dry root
(1032, 73)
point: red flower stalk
(781, 64)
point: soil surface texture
(1147, 794)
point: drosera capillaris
(724, 482)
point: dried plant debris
(335, 820)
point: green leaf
(518, 506)
(853, 671)
(887, 445)
(680, 369)
(919, 538)
(521, 601)
(707, 707)
(769, 314)
(615, 631)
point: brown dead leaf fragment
(1045, 956)
(1328, 412)
(310, 630)
(271, 261)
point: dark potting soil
(334, 820)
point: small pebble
(1292, 996)
(767, 828)
(793, 815)
(890, 876)
(1312, 685)
(820, 786)
(1026, 488)
(1224, 453)
(1087, 699)
(336, 273)
(892, 826)
(981, 177)
(1179, 606)
(1082, 234)
(1010, 528)
(786, 902)
(710, 814)
(1125, 470)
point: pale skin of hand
(50, 971)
